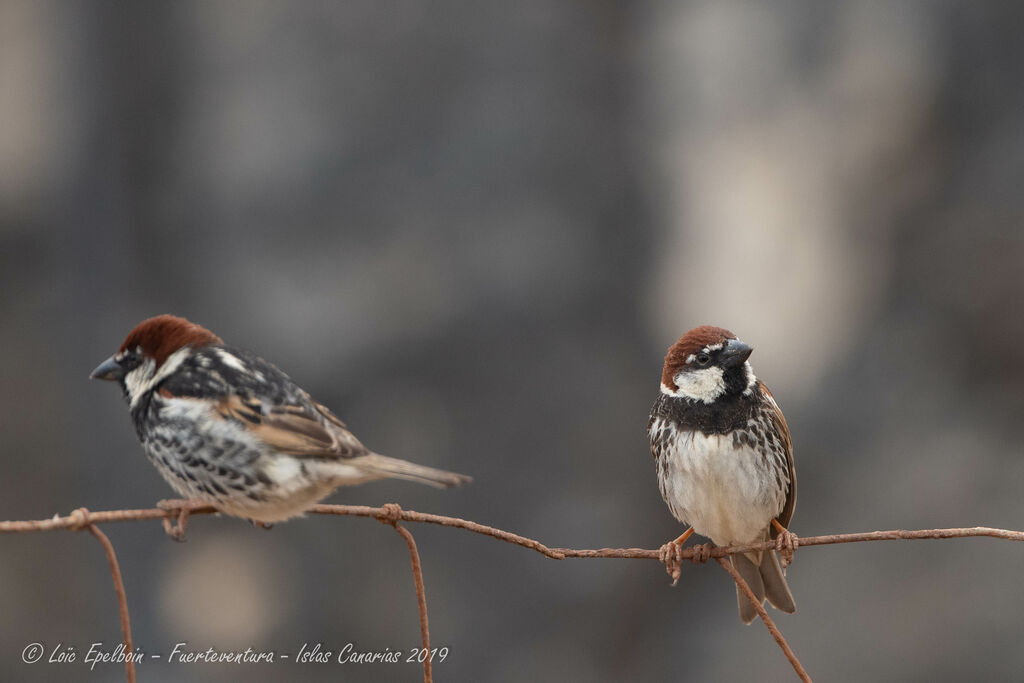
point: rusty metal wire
(82, 520)
(763, 613)
(417, 578)
(174, 514)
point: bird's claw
(670, 555)
(175, 527)
(786, 544)
(176, 530)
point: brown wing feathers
(783, 430)
(293, 429)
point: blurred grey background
(472, 229)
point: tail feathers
(775, 587)
(751, 573)
(765, 580)
(384, 466)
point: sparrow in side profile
(724, 457)
(225, 426)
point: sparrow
(224, 426)
(724, 458)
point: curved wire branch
(892, 535)
(81, 515)
(417, 578)
(761, 612)
(428, 518)
(170, 510)
(391, 514)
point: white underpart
(293, 491)
(726, 494)
(297, 483)
(208, 422)
(285, 471)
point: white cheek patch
(700, 385)
(142, 379)
(751, 378)
(138, 380)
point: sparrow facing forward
(724, 456)
(227, 427)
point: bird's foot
(670, 555)
(786, 544)
(266, 526)
(182, 507)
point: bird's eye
(703, 358)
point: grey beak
(108, 370)
(735, 353)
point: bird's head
(706, 364)
(150, 352)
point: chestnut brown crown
(691, 343)
(160, 336)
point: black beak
(109, 369)
(735, 353)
